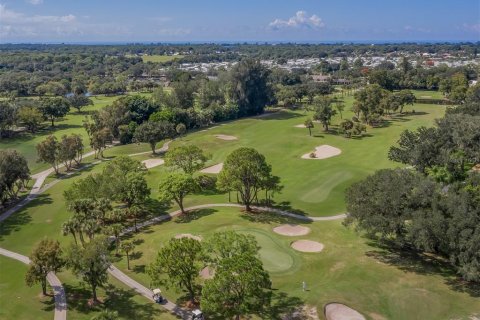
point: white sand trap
(307, 246)
(150, 163)
(225, 137)
(323, 152)
(338, 311)
(188, 235)
(206, 273)
(300, 126)
(213, 169)
(291, 230)
(426, 97)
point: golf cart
(157, 296)
(197, 315)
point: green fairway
(428, 94)
(17, 300)
(160, 58)
(348, 270)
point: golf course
(348, 268)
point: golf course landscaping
(342, 267)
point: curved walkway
(59, 292)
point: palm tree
(114, 230)
(70, 227)
(127, 247)
(309, 124)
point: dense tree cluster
(14, 175)
(435, 206)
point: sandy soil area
(206, 273)
(213, 169)
(307, 246)
(291, 230)
(300, 126)
(226, 137)
(323, 152)
(338, 311)
(150, 163)
(188, 235)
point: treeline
(243, 91)
(434, 207)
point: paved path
(147, 293)
(59, 292)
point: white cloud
(472, 27)
(299, 20)
(35, 2)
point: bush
(206, 182)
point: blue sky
(241, 20)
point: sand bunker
(307, 246)
(213, 169)
(291, 230)
(323, 152)
(300, 126)
(188, 235)
(206, 273)
(225, 137)
(150, 163)
(338, 311)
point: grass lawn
(17, 300)
(349, 270)
(370, 279)
(428, 94)
(160, 58)
(315, 187)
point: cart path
(170, 215)
(59, 292)
(147, 293)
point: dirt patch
(225, 137)
(206, 273)
(426, 97)
(302, 313)
(188, 235)
(338, 311)
(150, 163)
(322, 152)
(291, 230)
(300, 126)
(213, 169)
(307, 246)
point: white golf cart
(157, 296)
(197, 315)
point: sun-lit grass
(160, 58)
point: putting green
(276, 257)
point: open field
(428, 94)
(160, 58)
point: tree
(78, 101)
(127, 247)
(90, 263)
(176, 186)
(368, 103)
(405, 97)
(31, 117)
(70, 149)
(383, 202)
(324, 111)
(48, 152)
(178, 263)
(53, 108)
(240, 286)
(340, 106)
(114, 230)
(180, 129)
(188, 158)
(14, 174)
(309, 124)
(152, 132)
(249, 87)
(46, 257)
(8, 117)
(106, 315)
(245, 171)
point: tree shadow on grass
(278, 115)
(194, 215)
(48, 302)
(22, 216)
(268, 218)
(282, 304)
(409, 260)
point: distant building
(320, 78)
